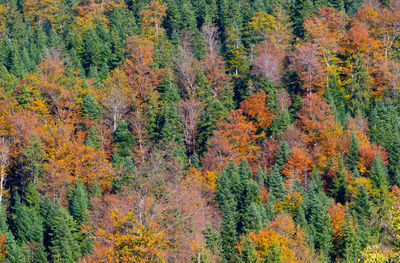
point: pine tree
(352, 156)
(350, 245)
(91, 108)
(32, 197)
(93, 139)
(359, 88)
(319, 231)
(282, 154)
(394, 160)
(339, 188)
(34, 158)
(275, 184)
(78, 204)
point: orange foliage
(3, 248)
(283, 235)
(297, 167)
(234, 138)
(326, 29)
(255, 108)
(322, 131)
(368, 153)
(337, 214)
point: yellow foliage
(133, 241)
(289, 204)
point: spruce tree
(394, 160)
(350, 245)
(33, 164)
(353, 154)
(359, 88)
(282, 154)
(379, 176)
(32, 197)
(275, 183)
(124, 141)
(339, 189)
(91, 108)
(78, 204)
(60, 232)
(301, 9)
(93, 139)
(247, 253)
(319, 232)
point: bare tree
(116, 107)
(185, 66)
(4, 161)
(190, 110)
(210, 34)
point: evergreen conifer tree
(275, 184)
(78, 204)
(93, 139)
(91, 108)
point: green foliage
(238, 198)
(319, 232)
(275, 183)
(79, 203)
(91, 108)
(339, 189)
(124, 141)
(34, 157)
(359, 88)
(93, 139)
(32, 197)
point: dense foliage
(199, 131)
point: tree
(93, 139)
(319, 232)
(131, 241)
(257, 111)
(350, 247)
(151, 19)
(91, 108)
(79, 203)
(4, 162)
(34, 154)
(237, 137)
(326, 30)
(190, 111)
(282, 154)
(359, 89)
(235, 54)
(274, 183)
(40, 11)
(60, 232)
(124, 140)
(297, 168)
(352, 156)
(309, 68)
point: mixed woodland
(200, 131)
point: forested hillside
(199, 131)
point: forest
(200, 131)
